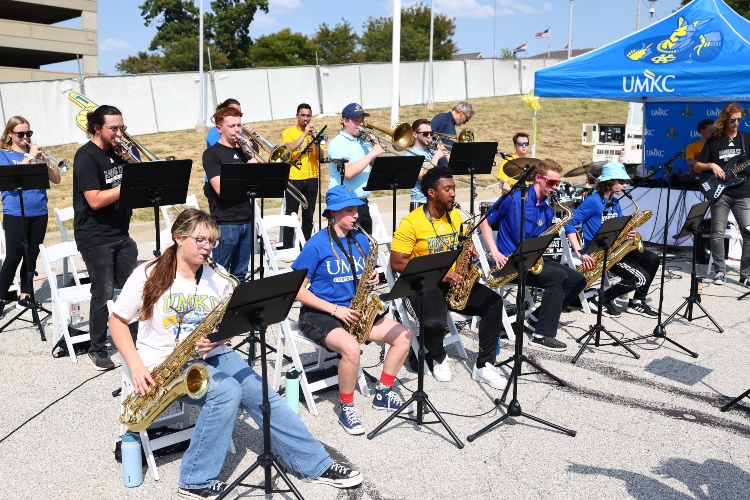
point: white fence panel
(175, 91)
(340, 86)
(250, 87)
(46, 107)
(413, 81)
(450, 81)
(479, 78)
(506, 77)
(290, 87)
(132, 95)
(376, 85)
(529, 68)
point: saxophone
(170, 381)
(493, 282)
(367, 304)
(459, 293)
(620, 248)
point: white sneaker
(442, 371)
(489, 376)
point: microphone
(610, 203)
(338, 161)
(679, 153)
(505, 156)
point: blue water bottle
(292, 390)
(132, 466)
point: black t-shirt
(97, 170)
(720, 151)
(224, 211)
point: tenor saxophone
(170, 381)
(367, 304)
(459, 293)
(500, 282)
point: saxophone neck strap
(350, 255)
(427, 214)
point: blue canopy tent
(699, 53)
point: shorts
(316, 324)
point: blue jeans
(233, 252)
(234, 383)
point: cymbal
(594, 168)
(513, 170)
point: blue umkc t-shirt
(590, 215)
(34, 200)
(537, 220)
(330, 274)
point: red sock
(347, 399)
(387, 380)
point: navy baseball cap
(353, 110)
(339, 197)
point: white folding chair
(169, 214)
(272, 254)
(572, 262)
(379, 231)
(63, 297)
(180, 417)
(63, 215)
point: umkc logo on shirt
(341, 266)
(651, 83)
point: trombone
(52, 162)
(465, 135)
(402, 138)
(127, 146)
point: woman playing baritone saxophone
(332, 257)
(170, 296)
(636, 269)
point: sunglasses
(114, 128)
(622, 181)
(21, 135)
(425, 134)
(734, 120)
(551, 183)
(522, 143)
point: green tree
(506, 53)
(143, 62)
(339, 45)
(282, 48)
(741, 7)
(229, 27)
(377, 39)
(174, 20)
(182, 55)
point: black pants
(107, 264)
(364, 219)
(309, 189)
(483, 302)
(13, 226)
(561, 285)
(637, 271)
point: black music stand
(421, 273)
(250, 181)
(471, 158)
(19, 178)
(153, 184)
(736, 400)
(394, 172)
(253, 308)
(603, 241)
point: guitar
(712, 187)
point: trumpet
(293, 191)
(402, 138)
(52, 162)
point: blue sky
(595, 22)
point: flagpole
(549, 35)
(570, 30)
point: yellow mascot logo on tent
(688, 42)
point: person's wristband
(27, 155)
(335, 308)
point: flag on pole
(520, 48)
(542, 34)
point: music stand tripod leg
(735, 400)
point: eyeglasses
(205, 242)
(21, 135)
(734, 120)
(551, 183)
(114, 128)
(622, 181)
(425, 134)
(522, 144)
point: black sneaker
(549, 343)
(641, 308)
(610, 309)
(212, 491)
(26, 302)
(101, 361)
(339, 476)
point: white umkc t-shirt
(156, 337)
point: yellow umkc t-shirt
(416, 236)
(308, 162)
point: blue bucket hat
(339, 197)
(613, 170)
(353, 110)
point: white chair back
(379, 231)
(63, 215)
(169, 214)
(272, 254)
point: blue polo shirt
(589, 215)
(444, 124)
(354, 149)
(538, 219)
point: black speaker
(704, 247)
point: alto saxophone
(459, 293)
(367, 304)
(170, 381)
(493, 282)
(620, 248)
